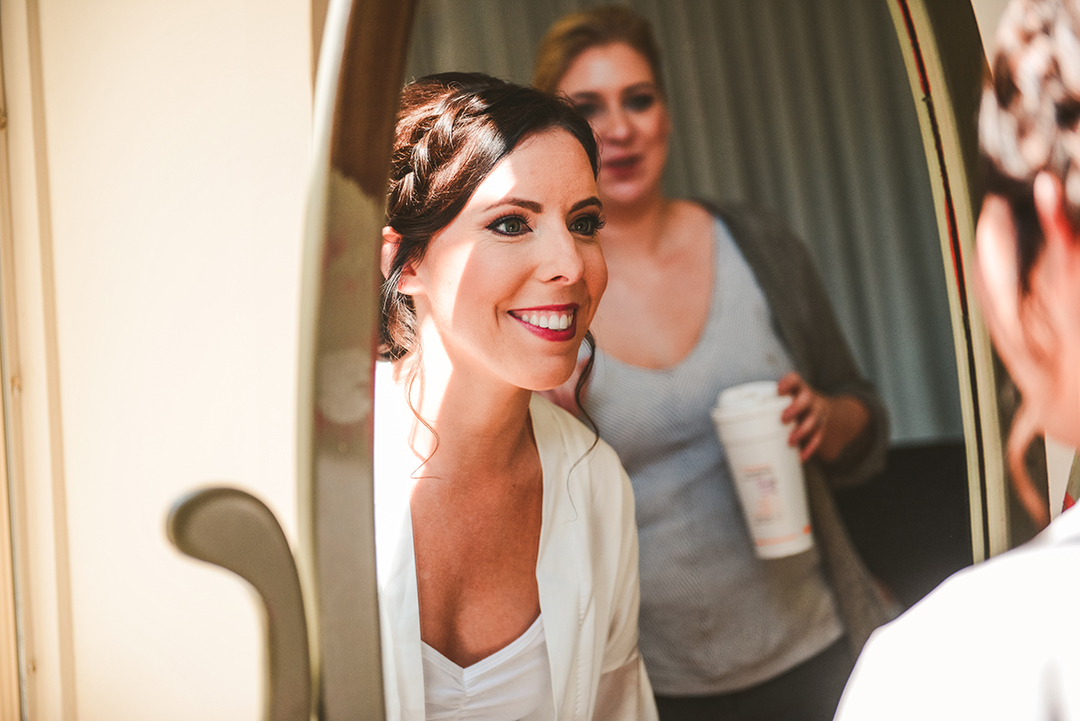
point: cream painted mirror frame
(945, 80)
(946, 66)
(10, 696)
(361, 64)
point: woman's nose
(616, 128)
(562, 261)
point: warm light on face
(510, 286)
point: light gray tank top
(714, 617)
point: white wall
(166, 179)
(987, 14)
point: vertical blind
(803, 108)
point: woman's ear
(996, 275)
(407, 278)
(390, 241)
(1050, 207)
(1061, 254)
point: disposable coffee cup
(767, 472)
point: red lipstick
(555, 323)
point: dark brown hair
(577, 32)
(452, 130)
(1028, 124)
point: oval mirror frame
(362, 58)
(946, 80)
(361, 64)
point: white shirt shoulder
(995, 641)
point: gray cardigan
(805, 322)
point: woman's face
(511, 284)
(1035, 334)
(613, 86)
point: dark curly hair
(452, 130)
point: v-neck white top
(586, 569)
(512, 683)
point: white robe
(1000, 640)
(586, 572)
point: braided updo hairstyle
(1028, 124)
(1028, 121)
(452, 130)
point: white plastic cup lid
(749, 399)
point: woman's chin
(543, 387)
(625, 193)
(552, 379)
(630, 189)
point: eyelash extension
(596, 219)
(494, 225)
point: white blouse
(512, 683)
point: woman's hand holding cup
(824, 425)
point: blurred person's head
(606, 61)
(1028, 247)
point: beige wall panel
(42, 562)
(177, 147)
(987, 14)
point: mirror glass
(804, 110)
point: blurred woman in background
(699, 299)
(505, 539)
(1000, 640)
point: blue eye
(588, 225)
(510, 225)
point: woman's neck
(636, 228)
(479, 427)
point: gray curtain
(803, 108)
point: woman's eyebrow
(587, 202)
(584, 95)
(519, 202)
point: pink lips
(553, 316)
(623, 166)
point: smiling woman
(536, 216)
(505, 590)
